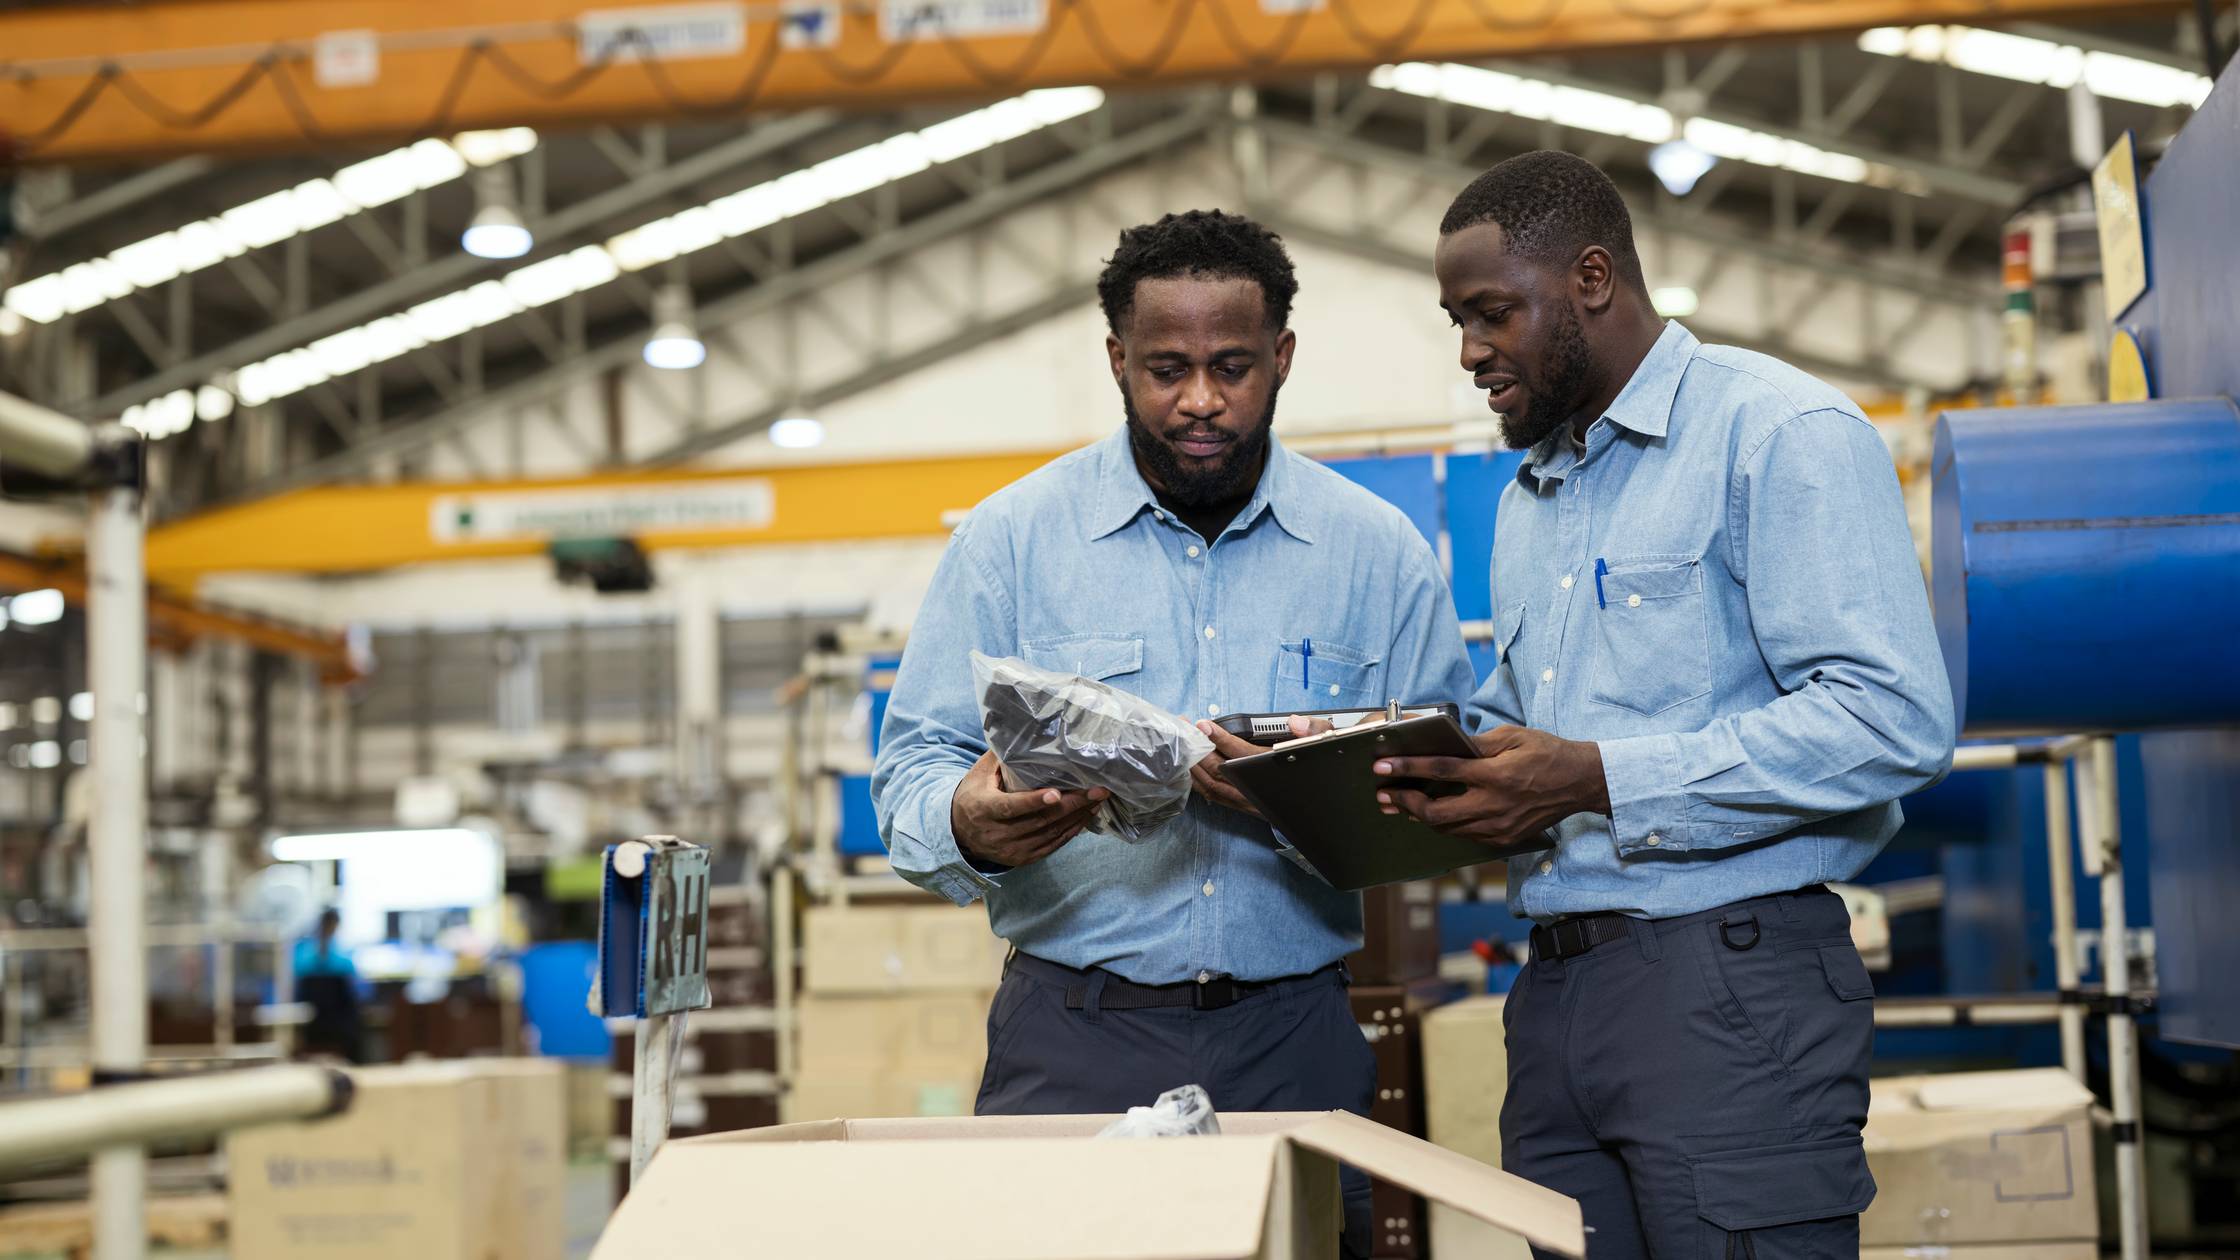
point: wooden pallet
(187, 1221)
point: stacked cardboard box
(461, 1160)
(893, 1020)
(1465, 1077)
(1981, 1166)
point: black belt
(1116, 994)
(1569, 938)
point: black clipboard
(1321, 796)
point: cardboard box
(1267, 1189)
(1992, 1252)
(462, 1160)
(2018, 1251)
(900, 1055)
(1981, 1157)
(910, 949)
(1465, 1077)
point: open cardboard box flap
(1545, 1218)
(1030, 1188)
(1923, 1111)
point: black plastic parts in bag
(1064, 731)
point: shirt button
(1208, 889)
(1158, 516)
(1633, 601)
(1209, 632)
(1547, 867)
(1655, 840)
(1547, 675)
(1192, 552)
(1214, 709)
(1204, 976)
(1566, 581)
(1333, 689)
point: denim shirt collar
(1123, 495)
(1644, 406)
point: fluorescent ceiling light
(314, 203)
(46, 710)
(2027, 60)
(81, 706)
(737, 214)
(435, 843)
(797, 432)
(36, 608)
(1674, 301)
(46, 755)
(1606, 114)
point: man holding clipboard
(1191, 560)
(1718, 675)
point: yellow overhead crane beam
(116, 81)
(349, 529)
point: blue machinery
(2086, 573)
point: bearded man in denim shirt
(1193, 561)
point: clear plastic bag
(1186, 1111)
(1064, 731)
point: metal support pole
(2058, 862)
(48, 1130)
(650, 1091)
(2096, 803)
(116, 625)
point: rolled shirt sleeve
(932, 733)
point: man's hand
(1206, 775)
(999, 828)
(1521, 783)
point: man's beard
(1565, 378)
(1229, 481)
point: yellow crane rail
(112, 81)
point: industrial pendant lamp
(496, 231)
(675, 343)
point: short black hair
(1206, 244)
(1550, 205)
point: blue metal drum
(2085, 565)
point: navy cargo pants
(1053, 1049)
(1699, 1083)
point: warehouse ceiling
(1851, 153)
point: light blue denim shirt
(1721, 592)
(1076, 568)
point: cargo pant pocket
(1794, 1201)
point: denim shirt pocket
(1652, 646)
(1089, 655)
(1334, 676)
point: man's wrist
(1590, 785)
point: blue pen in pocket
(1601, 568)
(1306, 664)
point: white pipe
(44, 441)
(117, 659)
(2123, 1034)
(1984, 756)
(2059, 860)
(51, 1130)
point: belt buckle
(1573, 938)
(1214, 994)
